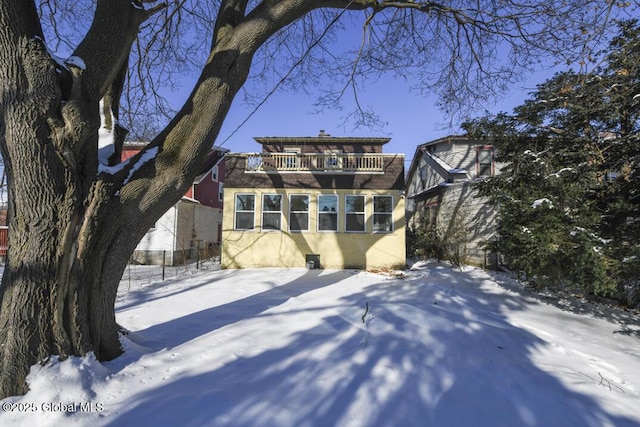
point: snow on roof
(458, 170)
(446, 168)
(190, 199)
(144, 158)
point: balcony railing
(332, 163)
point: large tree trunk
(63, 266)
(74, 222)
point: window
(299, 212)
(382, 214)
(221, 192)
(422, 168)
(255, 163)
(271, 211)
(332, 159)
(431, 212)
(327, 212)
(214, 173)
(245, 208)
(291, 159)
(484, 161)
(354, 213)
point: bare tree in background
(77, 212)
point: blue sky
(410, 118)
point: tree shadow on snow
(146, 293)
(628, 320)
(426, 354)
(193, 325)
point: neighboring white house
(177, 235)
(195, 222)
(439, 192)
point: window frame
(270, 212)
(236, 211)
(386, 213)
(335, 213)
(363, 213)
(491, 164)
(214, 173)
(291, 212)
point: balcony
(316, 163)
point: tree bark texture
(73, 225)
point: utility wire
(286, 76)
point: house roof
(444, 140)
(134, 145)
(448, 140)
(322, 138)
(213, 159)
(444, 168)
(434, 189)
(189, 200)
(392, 177)
(449, 174)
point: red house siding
(189, 192)
(130, 150)
(207, 190)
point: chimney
(322, 133)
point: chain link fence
(157, 267)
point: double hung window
(382, 214)
(354, 213)
(299, 212)
(245, 210)
(271, 211)
(485, 161)
(327, 212)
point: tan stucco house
(440, 192)
(322, 202)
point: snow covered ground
(294, 347)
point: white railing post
(316, 162)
